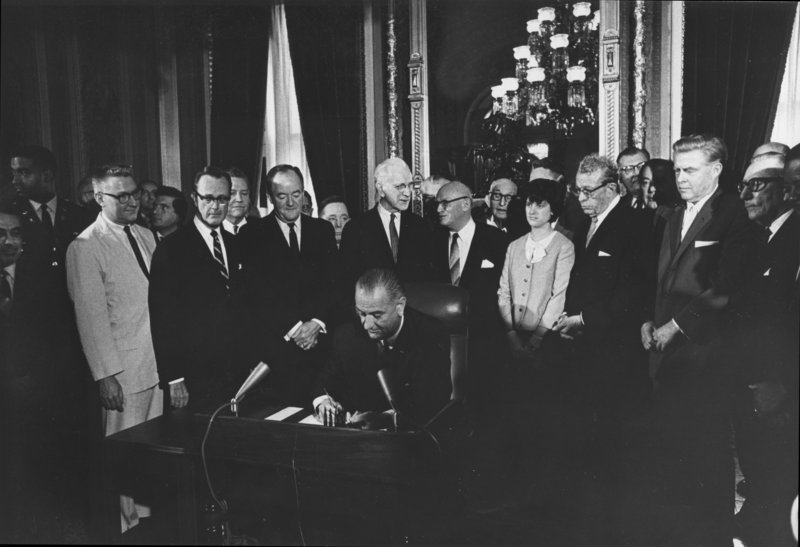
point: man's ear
(401, 305)
(716, 169)
(379, 189)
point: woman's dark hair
(664, 182)
(553, 192)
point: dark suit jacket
(418, 364)
(365, 246)
(192, 314)
(281, 290)
(768, 324)
(488, 244)
(698, 276)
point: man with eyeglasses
(598, 332)
(291, 266)
(704, 257)
(766, 350)
(108, 274)
(388, 235)
(630, 162)
(470, 255)
(501, 194)
(195, 271)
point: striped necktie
(223, 271)
(455, 260)
(394, 238)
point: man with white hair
(389, 235)
(502, 192)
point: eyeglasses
(756, 185)
(445, 203)
(502, 198)
(587, 193)
(209, 199)
(125, 197)
(631, 168)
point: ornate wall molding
(393, 117)
(609, 105)
(639, 93)
(418, 98)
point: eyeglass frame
(632, 168)
(447, 202)
(762, 183)
(209, 199)
(502, 198)
(125, 197)
(577, 191)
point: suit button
(524, 280)
(528, 266)
(523, 294)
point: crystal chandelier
(555, 79)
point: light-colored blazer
(109, 291)
(532, 295)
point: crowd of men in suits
(673, 326)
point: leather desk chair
(450, 305)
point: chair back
(450, 305)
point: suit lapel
(703, 217)
(381, 237)
(475, 253)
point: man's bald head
(454, 205)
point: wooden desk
(343, 485)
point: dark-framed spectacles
(125, 197)
(587, 193)
(502, 198)
(632, 168)
(209, 199)
(446, 202)
(757, 184)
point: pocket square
(602, 253)
(698, 244)
(487, 264)
(766, 274)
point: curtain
(787, 117)
(327, 47)
(283, 136)
(734, 59)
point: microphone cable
(222, 504)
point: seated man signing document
(411, 349)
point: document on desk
(283, 414)
(310, 420)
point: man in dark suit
(765, 345)
(604, 302)
(630, 162)
(169, 212)
(702, 264)
(239, 210)
(411, 348)
(192, 276)
(290, 268)
(470, 255)
(388, 235)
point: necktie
(136, 251)
(767, 233)
(394, 239)
(293, 244)
(592, 228)
(47, 222)
(5, 293)
(223, 271)
(455, 260)
(235, 229)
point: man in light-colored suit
(108, 276)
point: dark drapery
(326, 44)
(735, 55)
(240, 45)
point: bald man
(389, 235)
(470, 255)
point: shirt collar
(385, 214)
(230, 226)
(51, 205)
(467, 232)
(111, 224)
(390, 342)
(286, 224)
(702, 201)
(602, 216)
(204, 230)
(778, 222)
(11, 270)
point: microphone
(258, 374)
(383, 378)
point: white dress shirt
(778, 222)
(285, 230)
(386, 217)
(205, 232)
(231, 227)
(691, 212)
(51, 207)
(11, 270)
(602, 216)
(465, 236)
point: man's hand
(569, 326)
(306, 336)
(648, 331)
(178, 394)
(768, 397)
(330, 413)
(373, 420)
(665, 334)
(111, 396)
